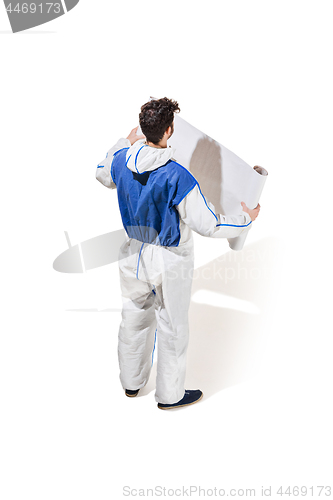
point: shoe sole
(179, 406)
(131, 395)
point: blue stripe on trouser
(152, 356)
(137, 269)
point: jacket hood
(143, 158)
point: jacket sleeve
(199, 214)
(103, 171)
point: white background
(256, 76)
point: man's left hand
(133, 137)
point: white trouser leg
(174, 296)
(136, 333)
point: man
(160, 203)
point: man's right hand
(252, 213)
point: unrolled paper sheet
(225, 179)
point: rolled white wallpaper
(224, 178)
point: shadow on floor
(226, 344)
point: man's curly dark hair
(156, 116)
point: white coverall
(156, 278)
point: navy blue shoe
(131, 394)
(190, 398)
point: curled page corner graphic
(24, 15)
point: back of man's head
(156, 116)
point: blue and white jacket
(160, 201)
